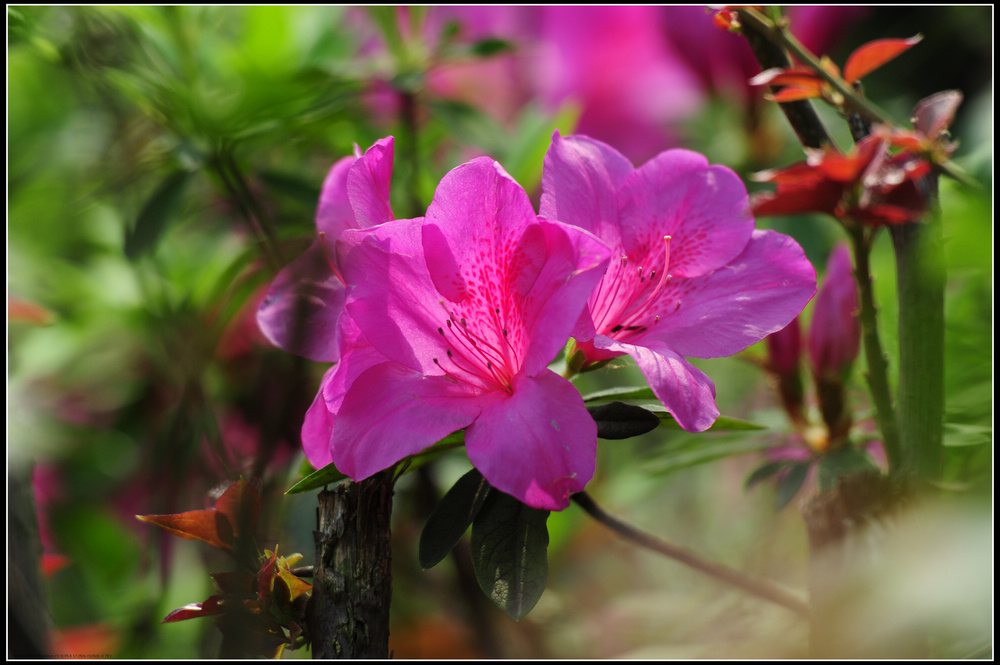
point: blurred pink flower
(300, 311)
(724, 62)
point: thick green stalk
(920, 273)
(877, 375)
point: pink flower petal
(539, 445)
(703, 208)
(368, 185)
(724, 312)
(392, 411)
(580, 184)
(686, 392)
(300, 311)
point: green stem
(920, 274)
(877, 375)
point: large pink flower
(459, 314)
(689, 275)
(301, 310)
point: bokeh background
(164, 162)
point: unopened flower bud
(783, 350)
(835, 333)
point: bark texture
(352, 584)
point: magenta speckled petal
(703, 208)
(539, 444)
(391, 411)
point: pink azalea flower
(689, 275)
(300, 311)
(460, 313)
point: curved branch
(760, 588)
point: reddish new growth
(869, 184)
(259, 610)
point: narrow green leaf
(687, 456)
(470, 125)
(842, 462)
(490, 46)
(721, 424)
(155, 215)
(957, 434)
(509, 553)
(790, 484)
(620, 393)
(452, 517)
(764, 472)
(325, 476)
(618, 420)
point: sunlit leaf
(510, 553)
(795, 93)
(620, 393)
(328, 475)
(871, 56)
(451, 518)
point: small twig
(760, 588)
(760, 35)
(758, 28)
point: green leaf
(509, 553)
(842, 462)
(700, 451)
(620, 393)
(790, 484)
(155, 215)
(764, 472)
(325, 476)
(490, 46)
(452, 517)
(957, 434)
(470, 125)
(619, 420)
(721, 424)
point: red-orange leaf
(25, 311)
(241, 504)
(194, 525)
(795, 93)
(873, 55)
(786, 76)
(213, 605)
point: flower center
(625, 302)
(473, 359)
